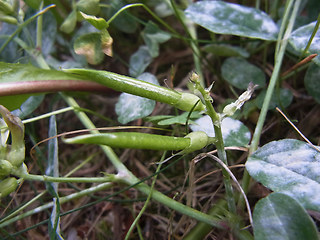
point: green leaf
(69, 23)
(98, 23)
(49, 33)
(300, 38)
(291, 167)
(131, 107)
(239, 73)
(90, 7)
(282, 98)
(53, 160)
(139, 61)
(10, 53)
(234, 132)
(226, 50)
(311, 81)
(33, 3)
(125, 22)
(13, 102)
(280, 217)
(52, 187)
(228, 18)
(162, 8)
(15, 72)
(153, 36)
(89, 45)
(12, 74)
(26, 108)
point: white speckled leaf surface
(228, 18)
(289, 166)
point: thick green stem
(219, 143)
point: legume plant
(168, 166)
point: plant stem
(316, 27)
(147, 201)
(63, 110)
(45, 86)
(45, 178)
(103, 186)
(21, 26)
(148, 10)
(282, 42)
(89, 125)
(190, 29)
(219, 145)
(39, 29)
(125, 176)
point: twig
(298, 131)
(235, 180)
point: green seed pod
(121, 83)
(198, 140)
(5, 168)
(9, 19)
(8, 186)
(187, 101)
(133, 140)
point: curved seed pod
(133, 140)
(5, 168)
(191, 142)
(8, 186)
(140, 88)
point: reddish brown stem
(45, 86)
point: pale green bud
(5, 168)
(8, 186)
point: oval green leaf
(281, 98)
(228, 18)
(131, 107)
(125, 21)
(234, 132)
(239, 73)
(153, 36)
(89, 45)
(311, 81)
(226, 50)
(300, 38)
(139, 61)
(289, 166)
(280, 217)
(90, 7)
(98, 23)
(165, 120)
